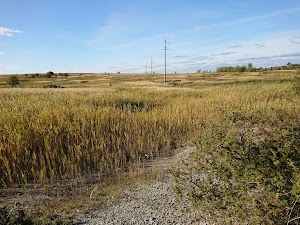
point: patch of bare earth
(148, 203)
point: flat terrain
(155, 81)
(101, 147)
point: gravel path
(151, 203)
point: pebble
(153, 203)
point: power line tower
(166, 49)
(151, 65)
(146, 68)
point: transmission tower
(166, 49)
(151, 65)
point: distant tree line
(250, 68)
(14, 80)
(47, 75)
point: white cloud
(4, 31)
(8, 67)
(1, 53)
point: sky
(99, 36)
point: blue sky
(119, 35)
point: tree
(243, 68)
(250, 66)
(49, 74)
(13, 80)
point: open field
(106, 124)
(146, 80)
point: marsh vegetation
(103, 124)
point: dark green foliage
(246, 169)
(237, 68)
(63, 74)
(49, 74)
(250, 68)
(15, 215)
(13, 80)
(297, 85)
(53, 86)
(133, 105)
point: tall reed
(46, 135)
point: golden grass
(105, 126)
(52, 134)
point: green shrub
(49, 74)
(53, 86)
(14, 215)
(246, 169)
(63, 74)
(297, 85)
(13, 80)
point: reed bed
(48, 135)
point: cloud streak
(235, 46)
(296, 54)
(295, 40)
(260, 45)
(250, 19)
(9, 67)
(4, 31)
(224, 53)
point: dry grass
(109, 123)
(58, 133)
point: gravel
(152, 203)
(147, 203)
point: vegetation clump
(246, 168)
(63, 74)
(49, 74)
(15, 215)
(13, 80)
(297, 85)
(250, 68)
(53, 86)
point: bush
(13, 80)
(14, 215)
(49, 74)
(63, 74)
(53, 86)
(246, 169)
(297, 85)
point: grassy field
(105, 123)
